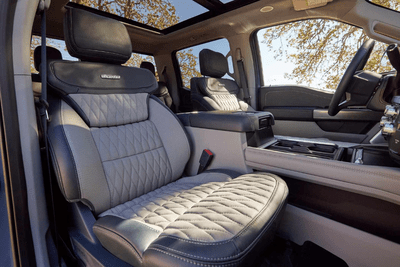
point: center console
(377, 155)
(244, 142)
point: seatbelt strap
(165, 75)
(166, 80)
(242, 75)
(44, 116)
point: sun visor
(300, 5)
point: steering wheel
(357, 63)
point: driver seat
(212, 92)
(121, 152)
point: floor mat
(284, 253)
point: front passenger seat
(121, 152)
(214, 92)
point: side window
(58, 44)
(313, 53)
(136, 59)
(189, 59)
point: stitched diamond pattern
(112, 109)
(226, 211)
(162, 206)
(134, 160)
(210, 212)
(226, 102)
(126, 140)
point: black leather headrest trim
(74, 77)
(149, 66)
(213, 64)
(91, 37)
(52, 54)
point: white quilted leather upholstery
(208, 212)
(112, 109)
(133, 158)
(226, 102)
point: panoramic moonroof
(159, 14)
(391, 4)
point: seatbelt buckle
(44, 105)
(205, 160)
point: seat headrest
(52, 54)
(213, 64)
(91, 37)
(149, 66)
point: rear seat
(52, 54)
(162, 92)
(122, 153)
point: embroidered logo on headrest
(110, 76)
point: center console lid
(233, 121)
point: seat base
(208, 219)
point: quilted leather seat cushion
(209, 219)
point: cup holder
(327, 151)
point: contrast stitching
(194, 256)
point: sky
(187, 9)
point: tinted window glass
(313, 53)
(159, 14)
(136, 59)
(58, 44)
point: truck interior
(200, 133)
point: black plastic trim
(14, 175)
(348, 115)
(227, 121)
(258, 68)
(368, 214)
(291, 113)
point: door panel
(301, 111)
(292, 96)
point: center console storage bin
(256, 125)
(314, 149)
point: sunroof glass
(159, 14)
(391, 4)
(187, 9)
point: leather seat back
(52, 54)
(110, 140)
(214, 92)
(162, 92)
